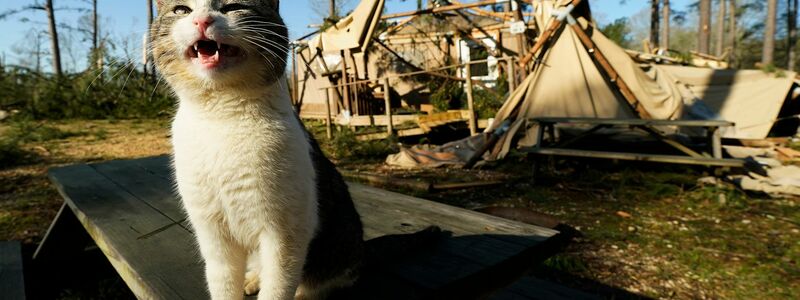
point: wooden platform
(12, 281)
(130, 211)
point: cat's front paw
(251, 283)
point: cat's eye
(182, 10)
(233, 7)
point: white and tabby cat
(261, 197)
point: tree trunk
(333, 9)
(665, 29)
(732, 31)
(147, 36)
(769, 34)
(720, 38)
(792, 36)
(654, 20)
(96, 53)
(51, 18)
(38, 54)
(704, 27)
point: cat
(268, 209)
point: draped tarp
(567, 83)
(752, 99)
(353, 31)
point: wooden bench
(12, 281)
(128, 207)
(712, 158)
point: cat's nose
(202, 23)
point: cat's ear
(274, 4)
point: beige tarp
(750, 98)
(353, 31)
(568, 84)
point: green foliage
(10, 152)
(769, 68)
(618, 31)
(446, 94)
(487, 103)
(119, 92)
(345, 146)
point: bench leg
(66, 238)
(715, 140)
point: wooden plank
(379, 120)
(638, 157)
(433, 10)
(473, 125)
(108, 203)
(12, 279)
(131, 176)
(387, 98)
(133, 235)
(404, 214)
(642, 122)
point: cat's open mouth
(212, 54)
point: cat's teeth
(219, 45)
(195, 47)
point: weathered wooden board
(155, 258)
(130, 210)
(639, 122)
(12, 281)
(702, 161)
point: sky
(126, 20)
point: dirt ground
(646, 230)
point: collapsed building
(365, 71)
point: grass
(346, 148)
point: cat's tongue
(209, 60)
(208, 54)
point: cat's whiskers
(266, 36)
(263, 30)
(262, 54)
(126, 80)
(268, 51)
(153, 93)
(113, 61)
(280, 47)
(252, 19)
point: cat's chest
(216, 152)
